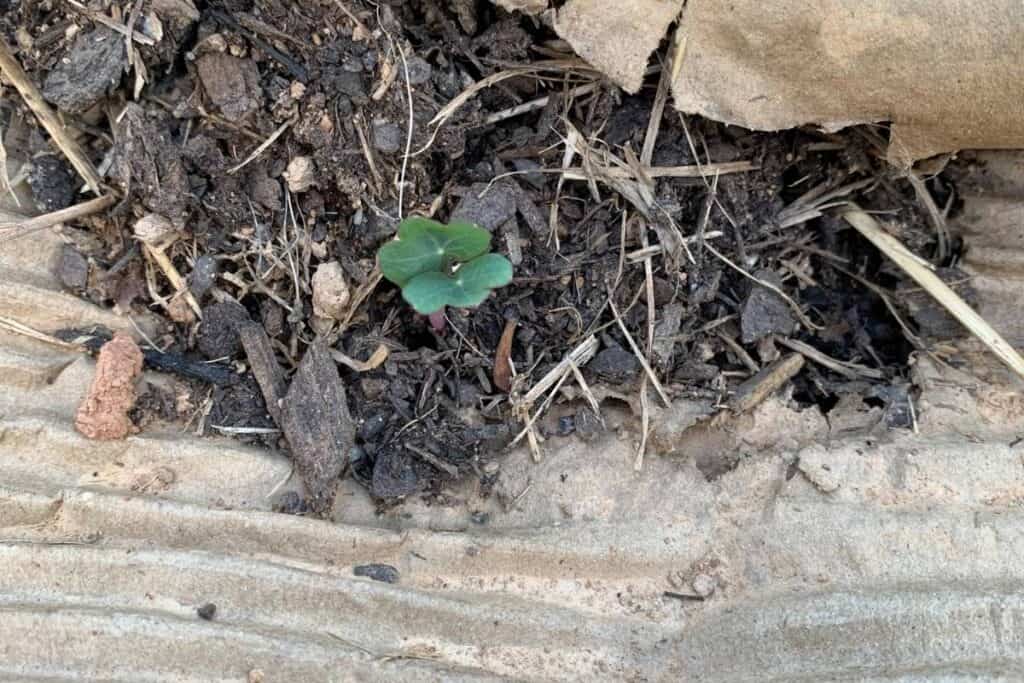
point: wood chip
(268, 372)
(766, 382)
(316, 421)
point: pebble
(300, 175)
(331, 292)
(419, 70)
(387, 136)
(704, 585)
(153, 229)
(378, 572)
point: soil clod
(90, 71)
(218, 333)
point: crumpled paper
(947, 74)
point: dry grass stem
(636, 351)
(846, 369)
(173, 276)
(936, 215)
(16, 229)
(15, 327)
(939, 290)
(126, 31)
(34, 99)
(263, 146)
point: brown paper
(617, 37)
(948, 74)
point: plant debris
(658, 259)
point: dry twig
(939, 290)
(263, 146)
(34, 99)
(16, 229)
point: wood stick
(34, 99)
(16, 229)
(173, 276)
(766, 382)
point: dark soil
(224, 80)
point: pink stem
(437, 320)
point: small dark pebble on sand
(377, 572)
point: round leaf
(485, 272)
(467, 288)
(464, 241)
(429, 292)
(403, 259)
(424, 245)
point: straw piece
(930, 282)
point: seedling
(443, 265)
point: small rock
(330, 291)
(207, 611)
(566, 425)
(821, 470)
(153, 229)
(179, 310)
(104, 412)
(348, 83)
(588, 425)
(704, 585)
(387, 136)
(377, 572)
(300, 175)
(52, 182)
(90, 70)
(765, 312)
(73, 269)
(231, 83)
(615, 365)
(490, 211)
(218, 333)
(394, 475)
(265, 191)
(203, 275)
(419, 70)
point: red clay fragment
(103, 414)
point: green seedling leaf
(466, 288)
(425, 246)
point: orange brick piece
(104, 412)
